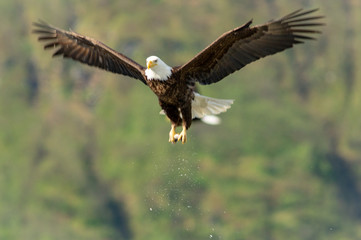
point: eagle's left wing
(243, 45)
(87, 50)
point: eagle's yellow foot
(172, 133)
(183, 136)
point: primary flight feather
(174, 86)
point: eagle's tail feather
(203, 107)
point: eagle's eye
(156, 60)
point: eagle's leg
(186, 113)
(172, 134)
(183, 135)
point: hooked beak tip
(151, 64)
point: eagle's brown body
(175, 97)
(175, 86)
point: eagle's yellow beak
(151, 64)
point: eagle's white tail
(204, 106)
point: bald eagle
(174, 86)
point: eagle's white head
(157, 69)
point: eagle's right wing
(243, 45)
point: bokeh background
(84, 153)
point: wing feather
(87, 50)
(243, 45)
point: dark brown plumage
(87, 50)
(174, 88)
(243, 45)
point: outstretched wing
(243, 45)
(87, 50)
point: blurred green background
(84, 154)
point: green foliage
(84, 154)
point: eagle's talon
(183, 136)
(172, 135)
(172, 140)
